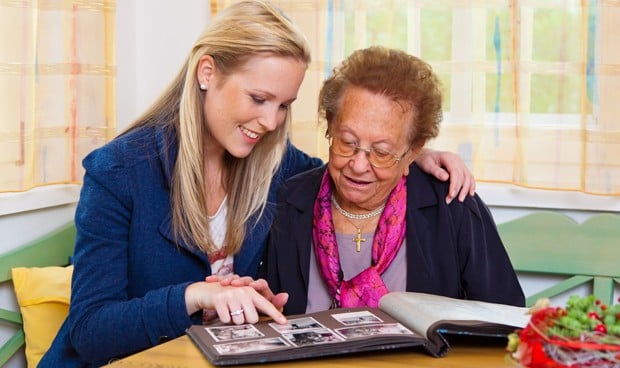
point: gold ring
(237, 312)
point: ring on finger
(236, 312)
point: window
(57, 89)
(529, 85)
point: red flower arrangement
(586, 333)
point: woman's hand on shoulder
(447, 165)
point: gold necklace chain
(358, 240)
(355, 216)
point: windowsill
(504, 195)
(495, 195)
(39, 198)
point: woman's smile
(251, 135)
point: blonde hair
(238, 33)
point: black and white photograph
(242, 347)
(357, 318)
(312, 337)
(227, 333)
(296, 324)
(369, 330)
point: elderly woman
(371, 221)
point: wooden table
(466, 352)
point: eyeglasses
(377, 157)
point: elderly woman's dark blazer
(452, 250)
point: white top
(217, 226)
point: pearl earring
(203, 86)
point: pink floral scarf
(367, 287)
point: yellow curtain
(530, 86)
(57, 99)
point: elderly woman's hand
(448, 165)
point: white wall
(154, 37)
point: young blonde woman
(188, 190)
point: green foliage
(585, 315)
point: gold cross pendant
(358, 239)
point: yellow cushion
(43, 294)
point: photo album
(403, 319)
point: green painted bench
(551, 243)
(53, 249)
